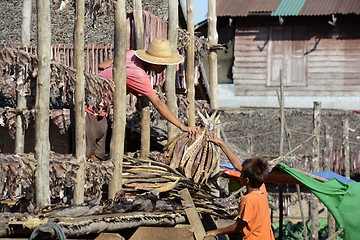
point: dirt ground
(257, 130)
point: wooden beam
(170, 89)
(80, 124)
(213, 40)
(193, 215)
(190, 63)
(42, 143)
(119, 73)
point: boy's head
(256, 170)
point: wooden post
(290, 149)
(314, 201)
(327, 162)
(26, 22)
(281, 153)
(21, 101)
(119, 73)
(145, 109)
(213, 39)
(170, 89)
(346, 147)
(42, 144)
(190, 63)
(80, 128)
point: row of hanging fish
(196, 158)
(141, 179)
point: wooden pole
(314, 201)
(42, 144)
(190, 63)
(282, 136)
(213, 39)
(119, 73)
(170, 89)
(346, 147)
(80, 128)
(145, 109)
(21, 101)
(327, 162)
(26, 22)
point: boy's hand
(211, 233)
(217, 141)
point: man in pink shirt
(138, 64)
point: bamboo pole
(346, 147)
(170, 89)
(213, 40)
(314, 201)
(190, 63)
(328, 153)
(80, 128)
(145, 109)
(21, 101)
(287, 134)
(282, 135)
(119, 73)
(42, 144)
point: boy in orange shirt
(253, 220)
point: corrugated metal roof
(289, 8)
(242, 8)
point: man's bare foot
(94, 158)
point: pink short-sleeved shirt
(137, 80)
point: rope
(58, 230)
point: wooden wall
(316, 58)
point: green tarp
(342, 200)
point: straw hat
(160, 52)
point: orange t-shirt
(254, 210)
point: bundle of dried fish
(196, 158)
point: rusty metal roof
(242, 8)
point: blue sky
(200, 10)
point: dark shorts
(96, 130)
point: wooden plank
(109, 236)
(250, 82)
(250, 70)
(161, 233)
(243, 64)
(343, 70)
(193, 215)
(313, 76)
(329, 58)
(251, 59)
(348, 64)
(250, 53)
(240, 76)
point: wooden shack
(315, 44)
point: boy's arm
(235, 161)
(234, 228)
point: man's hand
(191, 130)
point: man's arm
(168, 115)
(105, 64)
(235, 161)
